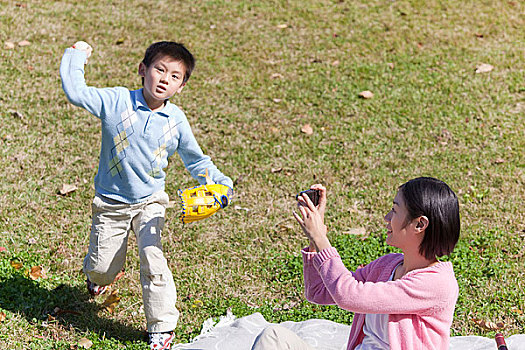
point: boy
(141, 129)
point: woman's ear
(421, 224)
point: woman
(400, 301)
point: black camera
(312, 194)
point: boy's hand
(83, 46)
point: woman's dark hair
(435, 200)
(173, 50)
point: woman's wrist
(322, 243)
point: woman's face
(397, 223)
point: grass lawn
(264, 71)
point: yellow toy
(203, 201)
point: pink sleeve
(314, 288)
(415, 293)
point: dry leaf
(357, 231)
(120, 41)
(238, 207)
(282, 26)
(277, 100)
(335, 63)
(58, 311)
(276, 75)
(484, 68)
(2, 316)
(119, 276)
(307, 129)
(9, 45)
(67, 189)
(111, 301)
(17, 265)
(37, 272)
(488, 325)
(31, 241)
(390, 65)
(85, 343)
(24, 43)
(277, 170)
(366, 94)
(499, 160)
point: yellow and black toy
(203, 201)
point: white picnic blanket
(231, 333)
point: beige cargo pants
(111, 225)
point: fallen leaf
(9, 45)
(2, 316)
(276, 76)
(37, 272)
(366, 94)
(277, 100)
(67, 189)
(16, 114)
(119, 276)
(276, 170)
(17, 265)
(24, 43)
(111, 302)
(357, 231)
(238, 207)
(282, 26)
(31, 241)
(85, 343)
(478, 35)
(484, 68)
(58, 311)
(499, 160)
(390, 65)
(120, 41)
(335, 63)
(488, 325)
(307, 129)
(21, 5)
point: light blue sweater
(136, 142)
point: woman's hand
(311, 219)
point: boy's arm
(195, 160)
(96, 101)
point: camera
(312, 194)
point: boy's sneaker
(95, 289)
(160, 341)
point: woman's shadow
(68, 306)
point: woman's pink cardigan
(420, 304)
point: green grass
(256, 83)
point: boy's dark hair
(435, 200)
(171, 49)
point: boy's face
(162, 79)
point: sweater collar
(140, 103)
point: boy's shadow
(68, 306)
